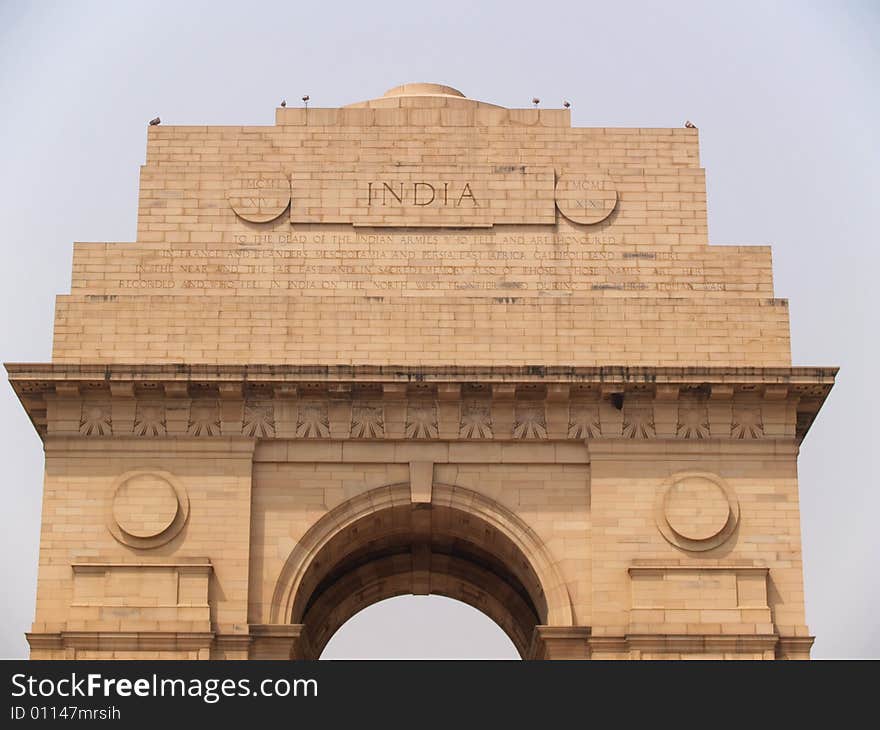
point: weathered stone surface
(421, 344)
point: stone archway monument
(421, 344)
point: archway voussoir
(367, 550)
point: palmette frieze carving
(638, 421)
(204, 418)
(258, 419)
(95, 419)
(268, 415)
(313, 421)
(584, 421)
(149, 420)
(367, 421)
(421, 419)
(530, 421)
(476, 419)
(693, 420)
(747, 422)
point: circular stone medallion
(696, 511)
(586, 198)
(259, 197)
(146, 508)
(145, 505)
(696, 508)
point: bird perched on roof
(154, 122)
(566, 104)
(690, 125)
(283, 103)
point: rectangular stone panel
(423, 195)
(139, 594)
(699, 598)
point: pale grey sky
(785, 95)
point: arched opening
(381, 544)
(420, 627)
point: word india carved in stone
(420, 193)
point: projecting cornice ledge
(610, 374)
(543, 402)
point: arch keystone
(421, 481)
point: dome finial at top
(423, 90)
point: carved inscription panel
(424, 196)
(493, 263)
